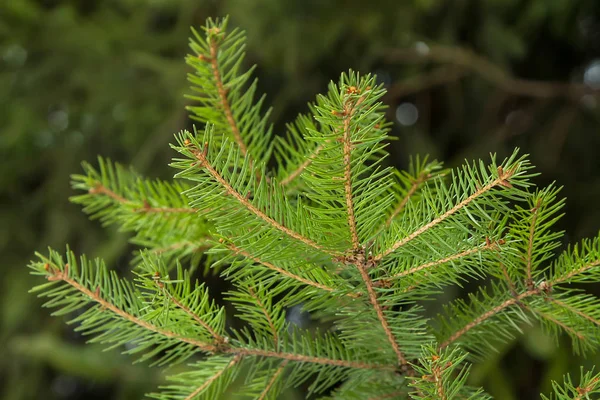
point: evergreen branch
(204, 163)
(308, 359)
(488, 245)
(442, 375)
(570, 330)
(574, 273)
(574, 310)
(267, 315)
(411, 191)
(487, 315)
(226, 92)
(218, 338)
(273, 379)
(213, 378)
(146, 208)
(530, 244)
(362, 268)
(221, 89)
(589, 384)
(101, 189)
(347, 143)
(237, 250)
(502, 180)
(55, 274)
(296, 173)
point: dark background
(465, 78)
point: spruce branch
(503, 178)
(478, 319)
(332, 231)
(238, 251)
(200, 155)
(350, 106)
(294, 174)
(213, 40)
(210, 380)
(589, 384)
(459, 255)
(419, 173)
(226, 93)
(402, 362)
(272, 381)
(141, 324)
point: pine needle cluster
(331, 229)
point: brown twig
(577, 271)
(57, 275)
(529, 261)
(101, 189)
(411, 191)
(574, 310)
(218, 338)
(308, 359)
(489, 71)
(567, 328)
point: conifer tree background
(85, 78)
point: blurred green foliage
(82, 78)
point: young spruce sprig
(332, 229)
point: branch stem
(214, 49)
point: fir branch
(589, 384)
(237, 250)
(213, 32)
(570, 330)
(487, 315)
(502, 180)
(218, 338)
(350, 107)
(575, 273)
(296, 173)
(309, 359)
(574, 310)
(530, 244)
(462, 254)
(205, 164)
(362, 268)
(101, 189)
(61, 273)
(411, 191)
(267, 315)
(273, 379)
(236, 359)
(56, 273)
